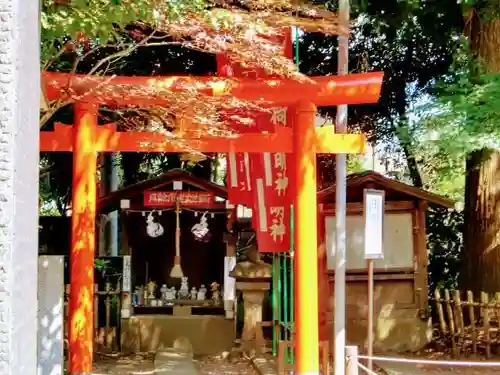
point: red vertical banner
(239, 179)
(239, 165)
(272, 193)
(272, 183)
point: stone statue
(215, 293)
(252, 266)
(193, 294)
(183, 292)
(202, 292)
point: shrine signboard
(185, 198)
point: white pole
(340, 204)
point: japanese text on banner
(273, 193)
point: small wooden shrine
(402, 319)
(175, 227)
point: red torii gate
(85, 139)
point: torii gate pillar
(306, 259)
(81, 297)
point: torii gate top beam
(147, 91)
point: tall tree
(464, 129)
(413, 42)
(482, 197)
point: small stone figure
(184, 289)
(214, 288)
(163, 291)
(202, 292)
(170, 294)
(194, 294)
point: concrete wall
(398, 325)
(207, 334)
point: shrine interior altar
(174, 233)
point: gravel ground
(142, 364)
(225, 365)
(138, 364)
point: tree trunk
(481, 258)
(481, 254)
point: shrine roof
(357, 181)
(111, 201)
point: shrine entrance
(301, 140)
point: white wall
(397, 239)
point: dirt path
(138, 364)
(230, 366)
(142, 364)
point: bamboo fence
(469, 324)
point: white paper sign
(374, 223)
(125, 204)
(177, 185)
(127, 283)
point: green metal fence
(283, 298)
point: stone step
(174, 362)
(265, 365)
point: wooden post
(306, 261)
(351, 363)
(451, 320)
(486, 322)
(81, 328)
(370, 313)
(459, 316)
(472, 318)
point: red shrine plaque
(186, 198)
